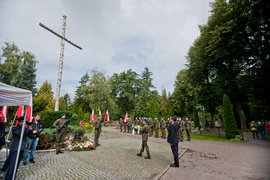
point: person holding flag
(126, 122)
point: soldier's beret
(63, 114)
(98, 115)
(20, 119)
(145, 120)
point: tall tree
(152, 109)
(26, 76)
(10, 63)
(97, 91)
(44, 99)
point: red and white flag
(107, 116)
(92, 118)
(29, 114)
(100, 114)
(4, 112)
(126, 117)
(20, 111)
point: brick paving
(115, 159)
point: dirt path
(218, 160)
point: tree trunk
(212, 120)
(242, 116)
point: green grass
(91, 130)
(207, 136)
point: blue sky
(115, 35)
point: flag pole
(19, 148)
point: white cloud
(115, 35)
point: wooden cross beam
(61, 58)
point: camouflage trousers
(97, 135)
(188, 134)
(180, 135)
(151, 131)
(163, 133)
(156, 131)
(144, 145)
(59, 139)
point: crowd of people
(259, 128)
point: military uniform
(60, 136)
(188, 129)
(145, 130)
(121, 124)
(163, 129)
(151, 124)
(168, 124)
(129, 125)
(156, 127)
(97, 125)
(181, 126)
(125, 125)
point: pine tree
(230, 123)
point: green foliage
(75, 129)
(80, 117)
(45, 142)
(152, 109)
(86, 118)
(44, 99)
(230, 123)
(49, 132)
(49, 117)
(196, 118)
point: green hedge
(48, 117)
(50, 132)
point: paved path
(116, 159)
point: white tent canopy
(13, 96)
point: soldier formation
(184, 126)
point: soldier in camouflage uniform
(151, 124)
(125, 125)
(163, 128)
(97, 125)
(136, 122)
(129, 125)
(60, 135)
(145, 130)
(121, 124)
(181, 125)
(168, 124)
(188, 128)
(156, 127)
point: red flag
(92, 116)
(107, 116)
(29, 114)
(126, 117)
(4, 112)
(20, 111)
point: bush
(87, 126)
(45, 142)
(49, 117)
(74, 129)
(230, 123)
(50, 132)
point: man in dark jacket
(11, 160)
(33, 141)
(173, 140)
(2, 132)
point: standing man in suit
(173, 140)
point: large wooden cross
(56, 108)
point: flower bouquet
(73, 145)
